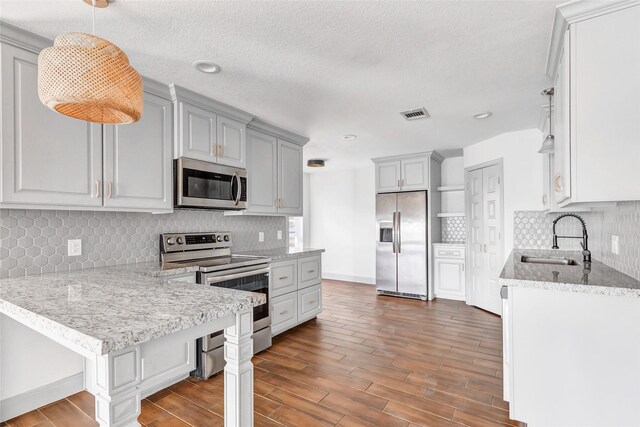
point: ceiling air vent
(417, 113)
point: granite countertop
(154, 269)
(280, 254)
(107, 309)
(598, 279)
(456, 244)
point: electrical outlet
(279, 234)
(260, 236)
(74, 247)
(615, 245)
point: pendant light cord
(93, 22)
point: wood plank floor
(365, 361)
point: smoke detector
(415, 114)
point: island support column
(238, 372)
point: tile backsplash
(34, 241)
(532, 230)
(453, 229)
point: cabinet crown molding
(278, 132)
(23, 39)
(431, 154)
(576, 11)
(156, 88)
(181, 94)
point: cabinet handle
(283, 277)
(485, 248)
(97, 188)
(221, 155)
(311, 271)
(557, 179)
(215, 150)
(109, 190)
(282, 313)
(312, 302)
(398, 183)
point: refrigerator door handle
(398, 233)
(393, 234)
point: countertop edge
(571, 287)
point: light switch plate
(74, 247)
(279, 234)
(260, 236)
(615, 245)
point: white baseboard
(28, 401)
(348, 278)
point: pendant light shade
(548, 145)
(89, 78)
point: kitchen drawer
(284, 313)
(448, 252)
(309, 302)
(310, 271)
(284, 277)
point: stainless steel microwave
(205, 185)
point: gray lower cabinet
(295, 296)
(48, 160)
(138, 160)
(274, 167)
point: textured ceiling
(324, 69)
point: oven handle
(239, 192)
(218, 279)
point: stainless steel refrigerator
(401, 250)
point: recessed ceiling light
(207, 67)
(483, 115)
(350, 137)
(315, 163)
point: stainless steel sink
(548, 260)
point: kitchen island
(571, 337)
(136, 329)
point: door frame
(467, 206)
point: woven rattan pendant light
(89, 78)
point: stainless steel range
(211, 252)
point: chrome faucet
(586, 253)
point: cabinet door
(231, 142)
(289, 178)
(48, 160)
(262, 166)
(309, 302)
(310, 271)
(284, 312)
(138, 160)
(284, 277)
(415, 174)
(197, 137)
(560, 127)
(449, 278)
(388, 176)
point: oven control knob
(170, 241)
(219, 238)
(179, 240)
(226, 238)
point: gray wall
(532, 230)
(33, 241)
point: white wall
(522, 172)
(452, 173)
(30, 360)
(342, 221)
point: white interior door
(484, 236)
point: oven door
(251, 279)
(208, 185)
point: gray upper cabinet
(274, 168)
(198, 136)
(404, 173)
(48, 160)
(289, 178)
(388, 176)
(231, 142)
(209, 130)
(138, 158)
(262, 166)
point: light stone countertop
(279, 254)
(598, 279)
(107, 309)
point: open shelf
(449, 214)
(451, 188)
